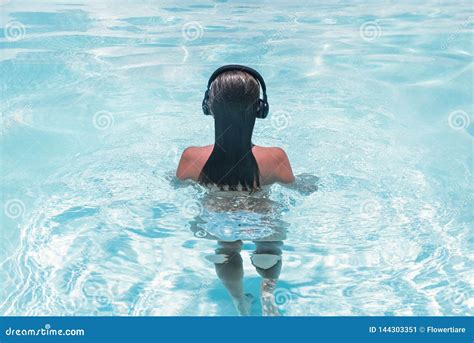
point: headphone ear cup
(205, 105)
(262, 109)
(205, 108)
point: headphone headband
(263, 107)
(231, 67)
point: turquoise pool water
(99, 98)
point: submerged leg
(267, 261)
(229, 269)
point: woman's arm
(282, 166)
(185, 165)
(303, 183)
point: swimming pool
(100, 98)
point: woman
(234, 164)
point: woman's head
(235, 92)
(233, 101)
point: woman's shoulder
(270, 154)
(271, 151)
(273, 164)
(192, 161)
(193, 151)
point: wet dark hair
(233, 101)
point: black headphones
(263, 107)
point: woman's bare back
(273, 164)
